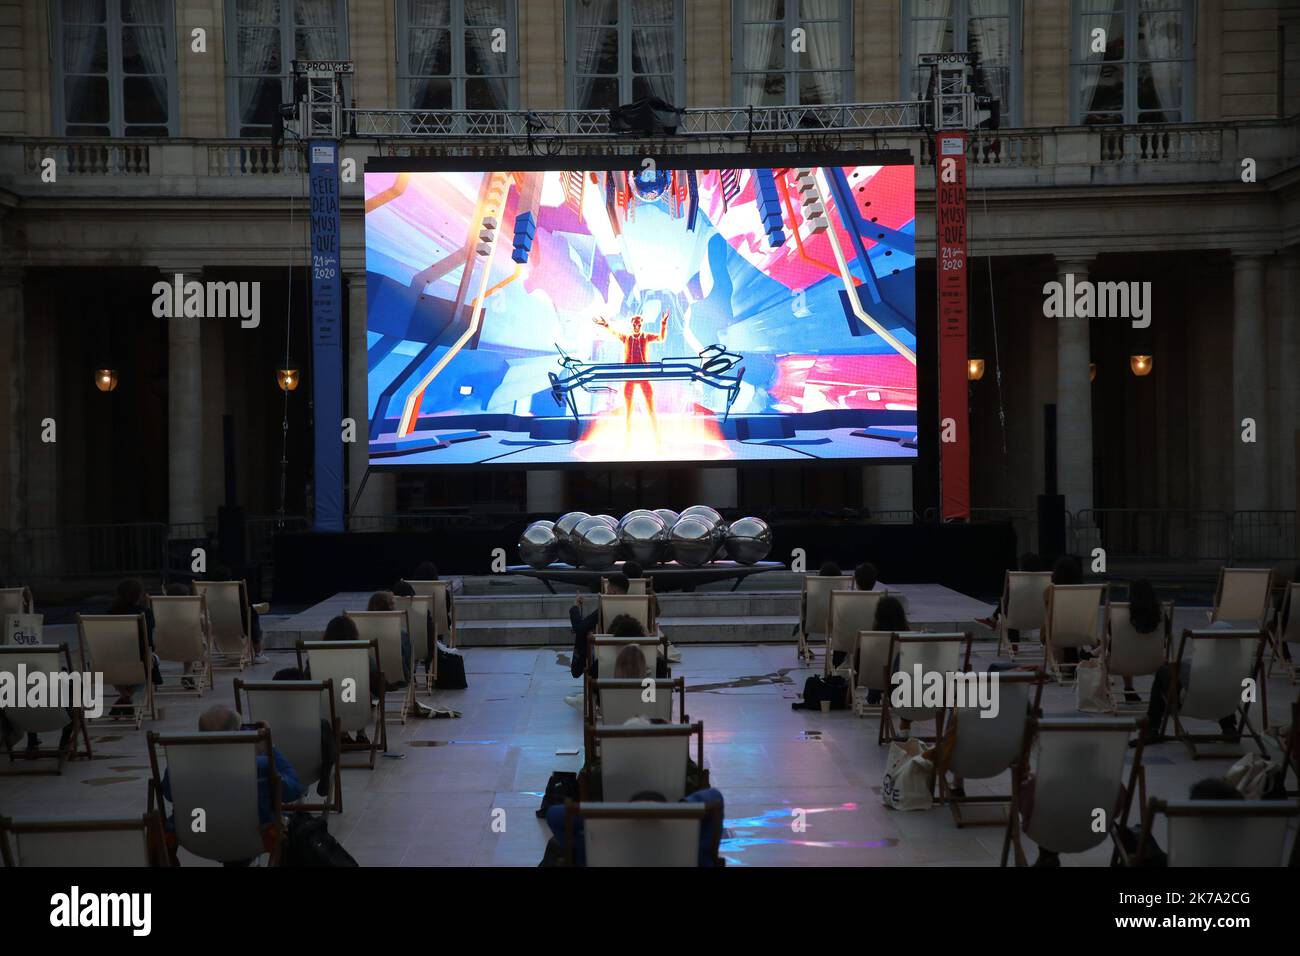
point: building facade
(1140, 141)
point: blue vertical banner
(326, 334)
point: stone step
(470, 607)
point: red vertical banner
(950, 252)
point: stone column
(185, 417)
(380, 496)
(1073, 400)
(1249, 367)
(1287, 384)
(13, 358)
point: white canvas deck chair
(117, 645)
(850, 613)
(215, 774)
(1130, 654)
(641, 834)
(14, 601)
(229, 622)
(1023, 609)
(943, 654)
(1241, 597)
(635, 586)
(1222, 661)
(1213, 833)
(635, 759)
(60, 715)
(385, 629)
(91, 842)
(604, 650)
(346, 665)
(419, 612)
(982, 748)
(618, 701)
(815, 610)
(871, 670)
(1079, 770)
(1073, 619)
(180, 636)
(1286, 632)
(294, 710)
(444, 609)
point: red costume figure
(634, 353)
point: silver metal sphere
(549, 525)
(637, 511)
(704, 512)
(609, 520)
(643, 537)
(748, 540)
(564, 529)
(596, 544)
(668, 515)
(692, 541)
(538, 544)
(717, 525)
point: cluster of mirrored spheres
(692, 538)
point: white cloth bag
(1092, 688)
(908, 777)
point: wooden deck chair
(117, 645)
(1286, 632)
(1130, 654)
(1214, 833)
(635, 758)
(1022, 608)
(815, 610)
(981, 748)
(1241, 596)
(346, 666)
(229, 623)
(14, 601)
(213, 779)
(947, 653)
(1222, 660)
(1079, 771)
(90, 842)
(850, 613)
(62, 714)
(419, 612)
(641, 834)
(1073, 618)
(385, 629)
(294, 710)
(444, 608)
(604, 650)
(618, 701)
(871, 670)
(180, 636)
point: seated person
(329, 753)
(428, 571)
(1146, 615)
(630, 663)
(1028, 562)
(383, 601)
(129, 599)
(222, 572)
(584, 624)
(864, 578)
(891, 617)
(343, 628)
(1160, 692)
(633, 571)
(555, 819)
(1068, 571)
(403, 589)
(220, 720)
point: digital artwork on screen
(650, 314)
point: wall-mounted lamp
(1141, 365)
(105, 379)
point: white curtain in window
(151, 41)
(824, 50)
(79, 47)
(485, 12)
(928, 37)
(990, 40)
(257, 51)
(1095, 13)
(1160, 38)
(319, 18)
(652, 49)
(758, 56)
(588, 42)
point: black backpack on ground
(451, 670)
(817, 689)
(562, 785)
(310, 844)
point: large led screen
(692, 313)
